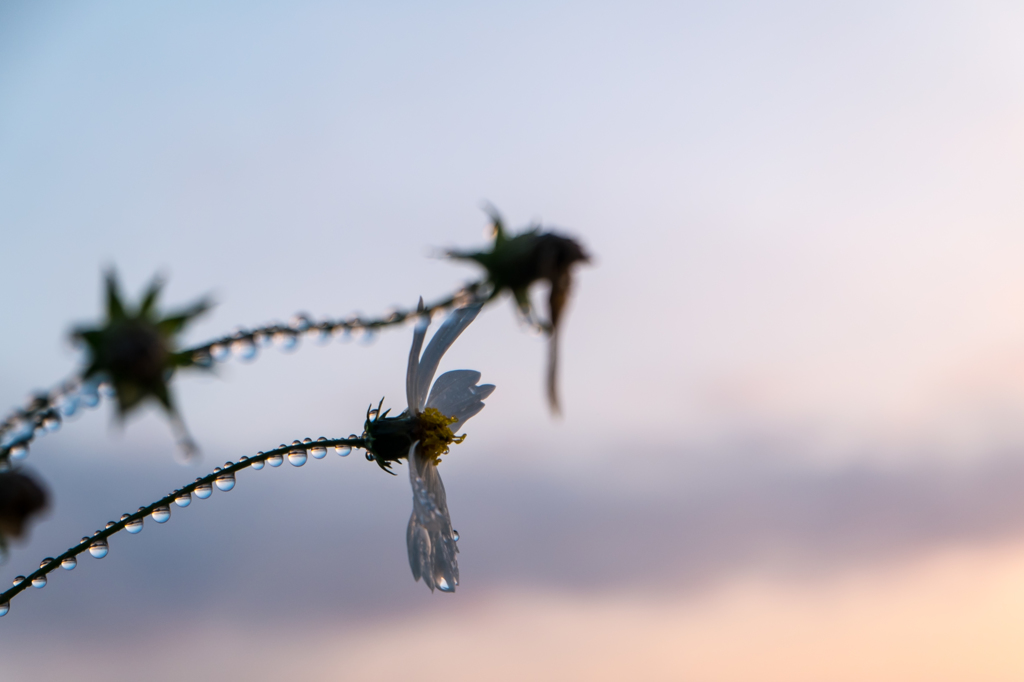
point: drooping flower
(135, 351)
(21, 498)
(515, 263)
(422, 434)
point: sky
(792, 375)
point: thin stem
(165, 501)
(22, 426)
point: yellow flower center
(436, 435)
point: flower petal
(442, 341)
(455, 394)
(429, 536)
(418, 334)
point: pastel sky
(793, 374)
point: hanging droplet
(455, 535)
(443, 585)
(89, 396)
(134, 526)
(161, 514)
(19, 451)
(220, 352)
(225, 481)
(69, 563)
(5, 608)
(300, 322)
(373, 414)
(99, 548)
(275, 460)
(47, 560)
(39, 582)
(319, 451)
(343, 450)
(202, 358)
(244, 349)
(297, 457)
(18, 579)
(369, 456)
(203, 490)
(285, 340)
(51, 423)
(69, 404)
(184, 499)
(259, 463)
(106, 389)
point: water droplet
(203, 490)
(39, 582)
(183, 500)
(443, 585)
(69, 563)
(369, 456)
(455, 535)
(225, 482)
(18, 579)
(244, 348)
(343, 450)
(161, 514)
(106, 389)
(5, 608)
(89, 396)
(301, 322)
(19, 451)
(69, 404)
(297, 457)
(134, 526)
(47, 560)
(202, 359)
(258, 464)
(51, 423)
(275, 460)
(99, 548)
(83, 541)
(318, 451)
(285, 340)
(220, 352)
(373, 414)
(110, 524)
(304, 440)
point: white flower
(436, 415)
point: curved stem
(165, 501)
(20, 427)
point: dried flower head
(515, 263)
(135, 350)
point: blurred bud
(134, 349)
(515, 263)
(20, 498)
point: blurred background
(793, 377)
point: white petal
(429, 536)
(455, 394)
(454, 325)
(411, 374)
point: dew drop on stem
(161, 514)
(69, 563)
(39, 582)
(203, 490)
(99, 548)
(184, 499)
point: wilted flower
(421, 434)
(514, 263)
(20, 498)
(135, 351)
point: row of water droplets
(45, 413)
(223, 478)
(245, 344)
